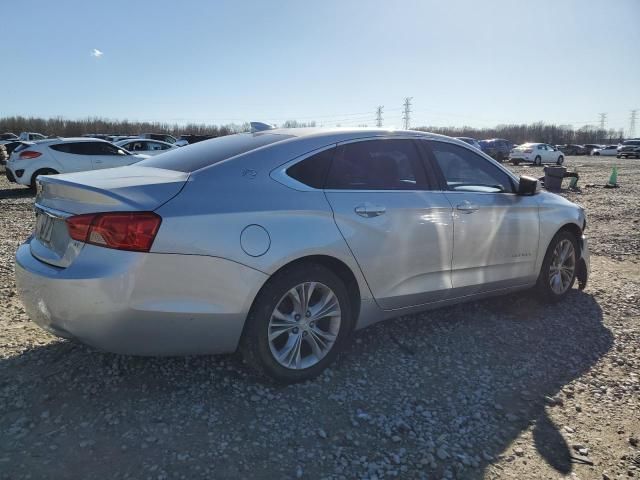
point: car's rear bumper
(140, 303)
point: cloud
(96, 53)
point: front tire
(560, 160)
(298, 323)
(537, 161)
(558, 272)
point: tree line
(536, 132)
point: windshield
(209, 152)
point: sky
(463, 62)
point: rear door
(495, 230)
(71, 157)
(399, 230)
(106, 155)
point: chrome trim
(51, 212)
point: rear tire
(560, 160)
(537, 161)
(43, 171)
(274, 323)
(558, 275)
(515, 162)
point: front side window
(392, 164)
(465, 171)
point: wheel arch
(40, 171)
(576, 231)
(338, 267)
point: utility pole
(379, 116)
(603, 120)
(632, 123)
(406, 117)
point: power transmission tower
(379, 116)
(406, 116)
(603, 120)
(632, 123)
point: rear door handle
(369, 210)
(467, 207)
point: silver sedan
(281, 242)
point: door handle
(467, 207)
(98, 161)
(369, 210)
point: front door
(495, 230)
(106, 155)
(399, 231)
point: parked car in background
(101, 136)
(607, 150)
(471, 141)
(497, 148)
(64, 155)
(9, 147)
(536, 153)
(163, 137)
(144, 146)
(182, 254)
(573, 149)
(188, 139)
(8, 137)
(119, 138)
(590, 147)
(31, 137)
(629, 148)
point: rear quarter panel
(217, 204)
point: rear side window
(312, 171)
(392, 164)
(466, 171)
(204, 154)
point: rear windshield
(199, 155)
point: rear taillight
(28, 155)
(120, 230)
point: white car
(144, 146)
(64, 155)
(609, 151)
(536, 153)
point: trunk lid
(130, 188)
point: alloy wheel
(563, 266)
(304, 326)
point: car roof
(338, 134)
(138, 139)
(68, 139)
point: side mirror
(527, 185)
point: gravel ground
(502, 388)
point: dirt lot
(503, 388)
